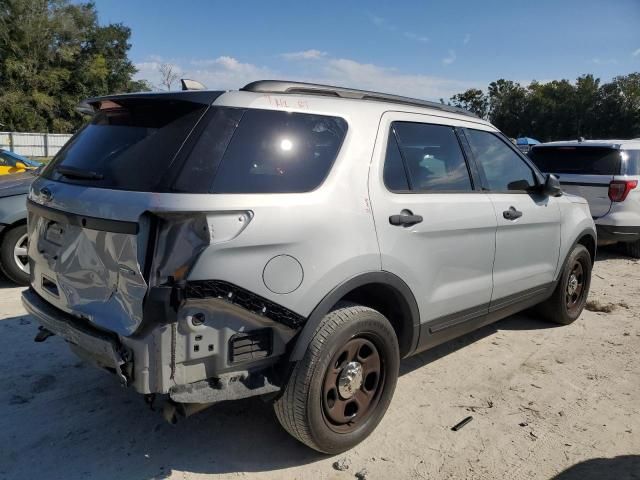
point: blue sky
(427, 49)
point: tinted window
(206, 151)
(503, 169)
(5, 160)
(633, 162)
(279, 152)
(432, 157)
(130, 146)
(395, 177)
(579, 160)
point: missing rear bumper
(95, 345)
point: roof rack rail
(283, 86)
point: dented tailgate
(88, 266)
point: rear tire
(570, 296)
(338, 393)
(632, 249)
(13, 255)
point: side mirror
(21, 165)
(552, 186)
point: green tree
(473, 100)
(560, 109)
(52, 55)
(506, 106)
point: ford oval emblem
(46, 194)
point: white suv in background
(606, 173)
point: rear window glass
(279, 152)
(632, 162)
(578, 160)
(128, 147)
(139, 146)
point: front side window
(432, 160)
(503, 169)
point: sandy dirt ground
(547, 402)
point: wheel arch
(586, 238)
(382, 291)
(9, 226)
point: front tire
(13, 255)
(570, 296)
(338, 393)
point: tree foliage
(52, 55)
(560, 109)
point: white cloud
(311, 54)
(223, 72)
(226, 73)
(467, 39)
(449, 59)
(366, 76)
(416, 37)
(636, 52)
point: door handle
(405, 219)
(512, 213)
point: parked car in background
(292, 241)
(11, 162)
(13, 225)
(524, 144)
(606, 173)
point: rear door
(583, 170)
(528, 233)
(435, 226)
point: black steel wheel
(570, 295)
(338, 393)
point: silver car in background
(607, 174)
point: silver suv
(293, 241)
(606, 173)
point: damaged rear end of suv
(292, 241)
(140, 245)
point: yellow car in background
(11, 162)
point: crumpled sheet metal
(98, 275)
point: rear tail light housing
(619, 189)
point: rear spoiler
(206, 97)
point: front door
(436, 228)
(528, 234)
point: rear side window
(502, 167)
(632, 162)
(581, 160)
(432, 160)
(130, 146)
(279, 152)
